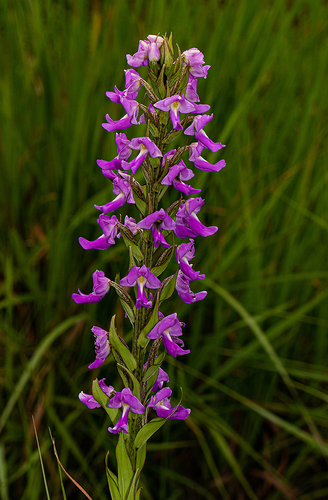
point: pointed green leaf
(163, 261)
(154, 130)
(150, 92)
(136, 383)
(130, 312)
(121, 348)
(123, 375)
(160, 83)
(139, 198)
(132, 262)
(138, 493)
(147, 431)
(142, 339)
(171, 136)
(151, 381)
(141, 458)
(150, 372)
(132, 489)
(112, 482)
(167, 287)
(103, 400)
(130, 240)
(168, 57)
(125, 471)
(123, 296)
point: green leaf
(150, 92)
(153, 130)
(163, 261)
(139, 198)
(150, 372)
(138, 494)
(151, 381)
(168, 57)
(171, 136)
(103, 400)
(142, 339)
(147, 431)
(160, 83)
(125, 471)
(112, 482)
(130, 312)
(124, 296)
(132, 262)
(130, 240)
(177, 68)
(167, 287)
(121, 348)
(131, 493)
(136, 383)
(122, 373)
(141, 458)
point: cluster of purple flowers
(173, 109)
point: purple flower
(193, 57)
(158, 221)
(132, 83)
(187, 223)
(176, 175)
(184, 292)
(130, 118)
(195, 150)
(140, 58)
(143, 278)
(123, 190)
(184, 253)
(191, 89)
(147, 50)
(169, 328)
(195, 60)
(121, 124)
(124, 151)
(109, 227)
(162, 377)
(196, 128)
(126, 401)
(131, 224)
(101, 286)
(169, 155)
(90, 401)
(175, 104)
(161, 403)
(102, 346)
(152, 110)
(145, 146)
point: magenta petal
(88, 400)
(208, 167)
(112, 205)
(199, 228)
(100, 243)
(185, 188)
(159, 238)
(171, 347)
(81, 298)
(122, 422)
(121, 124)
(107, 389)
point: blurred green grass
(256, 378)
